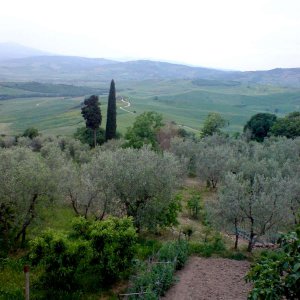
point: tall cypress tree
(111, 121)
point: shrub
(155, 279)
(276, 275)
(94, 254)
(194, 206)
(207, 249)
(174, 252)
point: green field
(186, 102)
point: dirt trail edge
(211, 278)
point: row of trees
(258, 187)
(122, 182)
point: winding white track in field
(127, 105)
(189, 128)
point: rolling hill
(45, 91)
(12, 51)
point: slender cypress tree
(111, 121)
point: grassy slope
(182, 101)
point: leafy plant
(276, 275)
(155, 279)
(194, 206)
(95, 254)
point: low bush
(276, 275)
(207, 249)
(174, 252)
(155, 278)
(94, 255)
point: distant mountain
(13, 50)
(73, 69)
(283, 77)
(70, 68)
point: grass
(184, 101)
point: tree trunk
(252, 235)
(29, 217)
(236, 234)
(95, 137)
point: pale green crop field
(181, 101)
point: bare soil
(211, 278)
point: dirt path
(211, 279)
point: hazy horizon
(232, 35)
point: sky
(224, 34)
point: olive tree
(145, 183)
(225, 212)
(25, 182)
(89, 187)
(185, 150)
(213, 159)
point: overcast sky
(228, 34)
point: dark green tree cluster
(264, 124)
(259, 126)
(92, 114)
(288, 126)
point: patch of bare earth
(211, 278)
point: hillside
(12, 51)
(72, 69)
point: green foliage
(213, 124)
(168, 216)
(177, 252)
(94, 254)
(214, 246)
(277, 275)
(85, 136)
(156, 278)
(194, 206)
(11, 273)
(92, 114)
(144, 130)
(144, 182)
(288, 126)
(31, 132)
(147, 248)
(259, 126)
(26, 181)
(111, 121)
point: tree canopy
(144, 130)
(92, 114)
(259, 126)
(213, 124)
(288, 126)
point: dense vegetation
(121, 189)
(277, 275)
